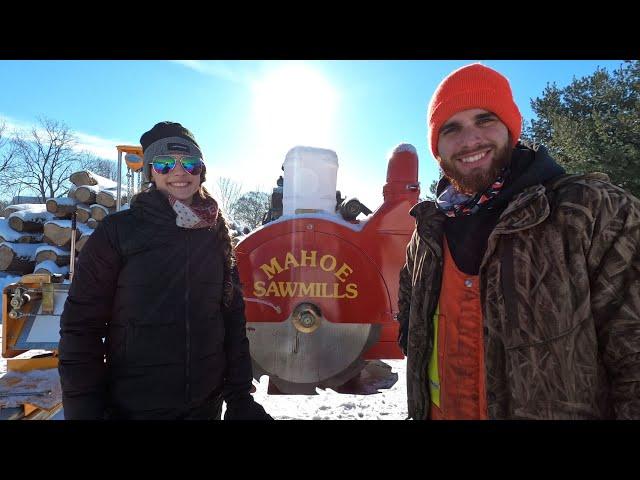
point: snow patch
(100, 207)
(24, 251)
(34, 207)
(10, 235)
(33, 216)
(51, 248)
(64, 201)
(6, 279)
(97, 180)
(388, 404)
(81, 227)
(84, 229)
(405, 147)
(51, 267)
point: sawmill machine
(320, 285)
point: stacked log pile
(36, 238)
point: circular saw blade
(298, 362)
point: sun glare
(293, 105)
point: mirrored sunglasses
(163, 164)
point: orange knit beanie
(473, 86)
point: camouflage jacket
(560, 293)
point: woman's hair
(222, 232)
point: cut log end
(12, 262)
(60, 259)
(58, 235)
(20, 225)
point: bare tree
(101, 166)
(44, 158)
(251, 207)
(7, 154)
(227, 194)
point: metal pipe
(118, 194)
(25, 394)
(73, 245)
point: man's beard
(479, 181)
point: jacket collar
(527, 203)
(527, 209)
(154, 206)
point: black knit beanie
(167, 137)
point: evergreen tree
(593, 124)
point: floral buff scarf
(200, 214)
(455, 204)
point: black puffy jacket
(153, 291)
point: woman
(158, 283)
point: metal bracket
(47, 298)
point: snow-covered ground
(389, 404)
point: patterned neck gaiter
(200, 214)
(455, 204)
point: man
(520, 296)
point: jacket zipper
(187, 324)
(508, 278)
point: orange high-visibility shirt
(456, 369)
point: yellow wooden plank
(29, 408)
(26, 364)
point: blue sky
(246, 115)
